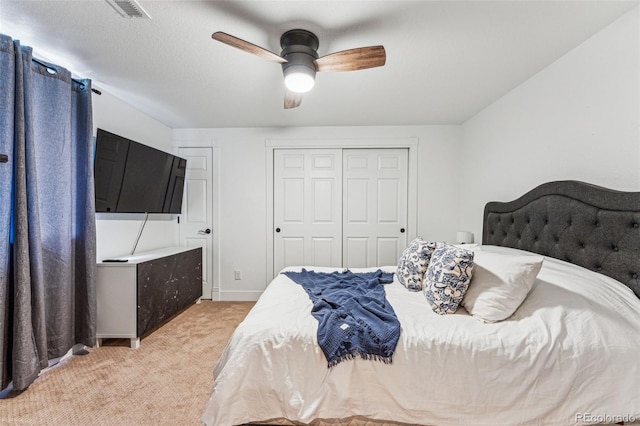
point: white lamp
(464, 237)
(299, 78)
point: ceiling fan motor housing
(299, 48)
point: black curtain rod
(53, 71)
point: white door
(342, 208)
(197, 210)
(374, 206)
(307, 207)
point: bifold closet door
(374, 206)
(307, 207)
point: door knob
(402, 230)
(4, 158)
(277, 229)
(204, 231)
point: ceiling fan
(300, 61)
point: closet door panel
(292, 249)
(324, 202)
(356, 250)
(388, 201)
(375, 185)
(388, 251)
(323, 251)
(307, 207)
(293, 201)
(357, 201)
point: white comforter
(569, 355)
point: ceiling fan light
(299, 79)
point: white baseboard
(239, 296)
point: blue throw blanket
(354, 316)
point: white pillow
(500, 284)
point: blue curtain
(47, 214)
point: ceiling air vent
(129, 9)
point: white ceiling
(446, 60)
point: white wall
(242, 226)
(577, 119)
(116, 233)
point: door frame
(411, 144)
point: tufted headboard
(590, 226)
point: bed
(568, 355)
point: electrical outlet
(237, 275)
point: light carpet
(166, 381)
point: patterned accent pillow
(413, 263)
(447, 278)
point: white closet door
(307, 207)
(374, 206)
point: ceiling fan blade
(292, 99)
(353, 59)
(238, 43)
